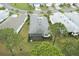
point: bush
(46, 49)
(71, 47)
(65, 5)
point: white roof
(49, 4)
(57, 6)
(14, 15)
(74, 17)
(61, 18)
(1, 5)
(3, 14)
(38, 25)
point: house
(4, 14)
(49, 4)
(39, 28)
(72, 5)
(36, 5)
(74, 17)
(59, 17)
(14, 22)
(76, 4)
(1, 5)
(57, 6)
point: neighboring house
(49, 4)
(39, 28)
(61, 18)
(76, 4)
(1, 5)
(36, 5)
(3, 14)
(73, 16)
(14, 21)
(72, 5)
(57, 6)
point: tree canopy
(10, 38)
(46, 49)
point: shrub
(46, 49)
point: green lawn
(23, 6)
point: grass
(77, 10)
(23, 6)
(2, 8)
(3, 49)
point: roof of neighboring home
(3, 14)
(74, 16)
(71, 26)
(38, 25)
(1, 5)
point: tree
(71, 47)
(46, 49)
(65, 5)
(10, 38)
(58, 29)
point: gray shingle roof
(15, 23)
(38, 25)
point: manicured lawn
(23, 6)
